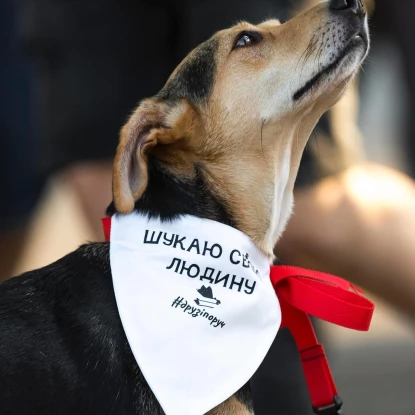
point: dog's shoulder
(62, 340)
(88, 265)
(65, 293)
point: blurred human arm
(359, 224)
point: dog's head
(234, 117)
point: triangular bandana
(197, 306)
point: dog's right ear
(153, 123)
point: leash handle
(302, 292)
(324, 296)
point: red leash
(302, 292)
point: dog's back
(63, 349)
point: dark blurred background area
(73, 70)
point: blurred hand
(359, 225)
(92, 183)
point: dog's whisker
(262, 146)
(315, 136)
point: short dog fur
(222, 140)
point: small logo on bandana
(207, 300)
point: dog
(222, 140)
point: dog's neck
(257, 187)
(206, 194)
(168, 196)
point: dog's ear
(152, 124)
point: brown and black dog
(222, 140)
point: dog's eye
(246, 39)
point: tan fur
(230, 406)
(250, 134)
(236, 128)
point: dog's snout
(352, 5)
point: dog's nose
(353, 5)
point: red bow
(302, 292)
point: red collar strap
(302, 292)
(106, 226)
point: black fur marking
(63, 349)
(195, 78)
(167, 197)
(244, 395)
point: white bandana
(197, 306)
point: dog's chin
(341, 70)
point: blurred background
(71, 71)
